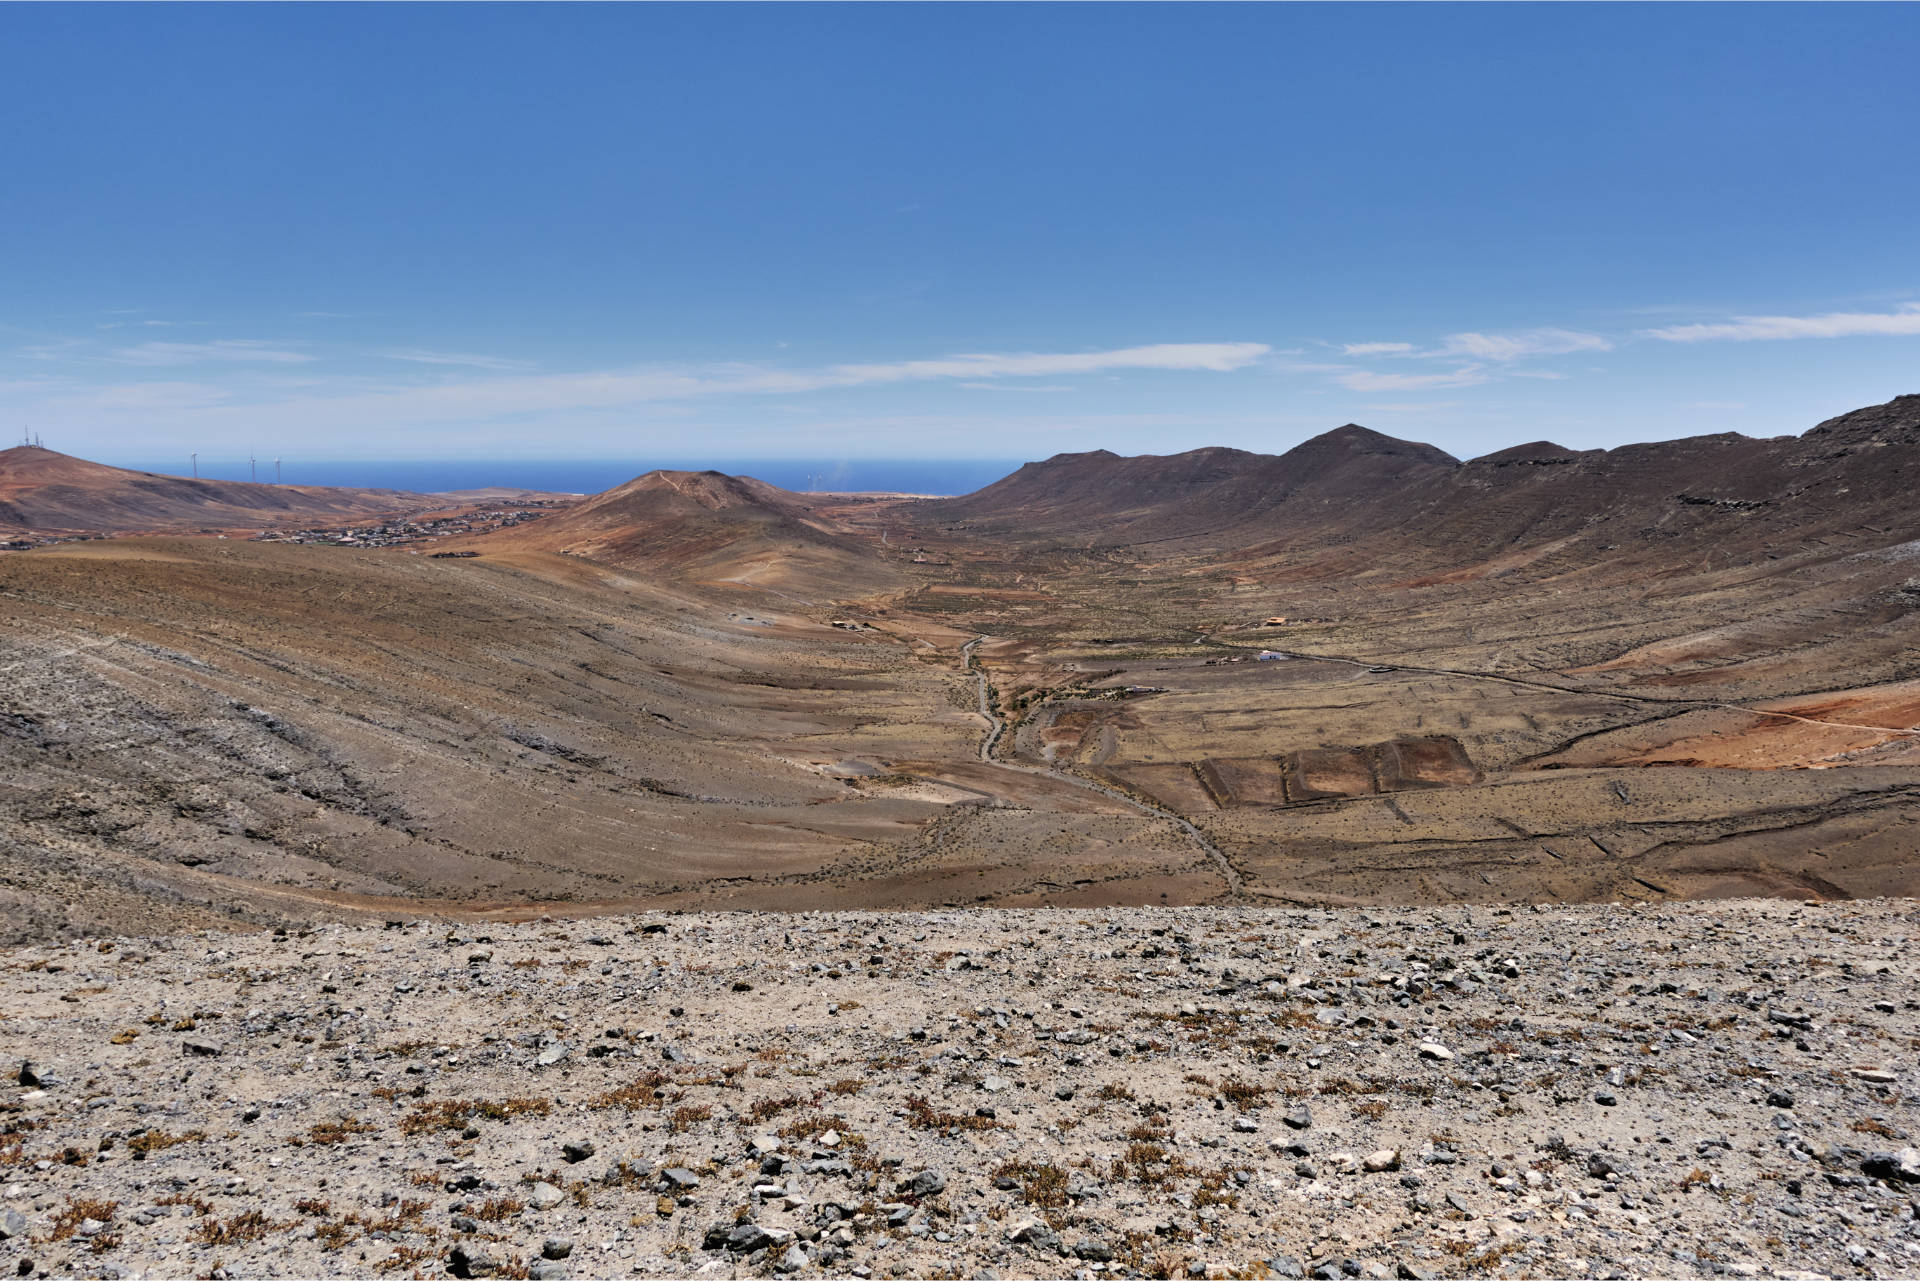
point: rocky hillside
(44, 490)
(1701, 1090)
(1356, 498)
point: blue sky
(747, 231)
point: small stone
(1878, 1076)
(745, 1238)
(1299, 1118)
(470, 1261)
(793, 1260)
(1245, 1125)
(679, 1178)
(1435, 1051)
(926, 1183)
(552, 1055)
(1093, 1250)
(577, 1150)
(995, 1084)
(1382, 1160)
(201, 1049)
(1605, 1098)
(13, 1224)
(545, 1196)
(556, 1248)
(547, 1270)
(1902, 1166)
(1779, 1099)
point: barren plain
(1496, 867)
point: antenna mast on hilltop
(253, 472)
(276, 471)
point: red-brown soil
(1678, 670)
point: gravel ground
(1706, 1089)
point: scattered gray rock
(467, 1260)
(1901, 1166)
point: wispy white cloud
(1379, 348)
(1904, 322)
(1410, 407)
(248, 402)
(420, 356)
(53, 349)
(1217, 357)
(1018, 387)
(1367, 380)
(1518, 346)
(143, 397)
(246, 350)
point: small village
(400, 533)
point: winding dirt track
(996, 727)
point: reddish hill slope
(45, 490)
(706, 526)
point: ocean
(942, 476)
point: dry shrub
(407, 1256)
(1243, 1094)
(766, 1109)
(921, 1115)
(806, 1127)
(159, 1141)
(248, 1225)
(78, 1210)
(1042, 1185)
(688, 1116)
(336, 1131)
(452, 1114)
(635, 1095)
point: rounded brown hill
(706, 526)
(46, 490)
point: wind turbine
(276, 471)
(196, 465)
(253, 473)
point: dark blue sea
(590, 476)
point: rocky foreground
(1685, 1090)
